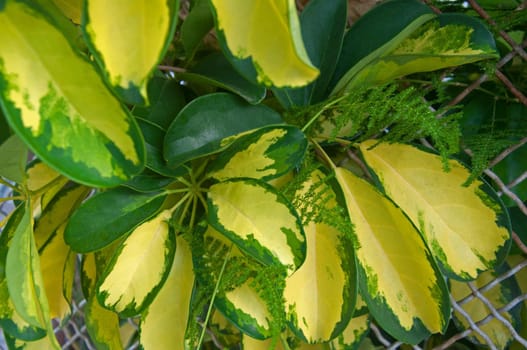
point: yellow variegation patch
(171, 306)
(269, 33)
(404, 290)
(129, 38)
(251, 162)
(458, 222)
(319, 296)
(353, 334)
(139, 266)
(63, 108)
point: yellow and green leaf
(320, 295)
(264, 154)
(353, 334)
(235, 210)
(460, 224)
(58, 271)
(60, 107)
(43, 183)
(10, 320)
(57, 212)
(452, 40)
(128, 40)
(24, 277)
(139, 267)
(269, 33)
(171, 306)
(498, 296)
(245, 307)
(102, 324)
(404, 289)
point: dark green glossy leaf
(154, 136)
(148, 181)
(166, 100)
(108, 216)
(13, 157)
(264, 154)
(323, 23)
(196, 25)
(201, 127)
(381, 25)
(216, 70)
(5, 131)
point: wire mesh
(73, 335)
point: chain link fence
(74, 335)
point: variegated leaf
(460, 224)
(404, 290)
(58, 270)
(269, 33)
(264, 154)
(102, 324)
(499, 296)
(128, 39)
(60, 107)
(320, 295)
(171, 306)
(259, 220)
(10, 320)
(139, 267)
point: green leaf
(24, 278)
(166, 99)
(13, 158)
(460, 224)
(171, 305)
(154, 136)
(10, 320)
(196, 25)
(268, 33)
(128, 40)
(201, 127)
(452, 40)
(323, 23)
(320, 295)
(235, 210)
(264, 154)
(499, 296)
(63, 112)
(5, 130)
(117, 212)
(149, 181)
(217, 71)
(404, 290)
(139, 267)
(384, 32)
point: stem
(13, 187)
(285, 345)
(322, 110)
(12, 198)
(216, 288)
(323, 153)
